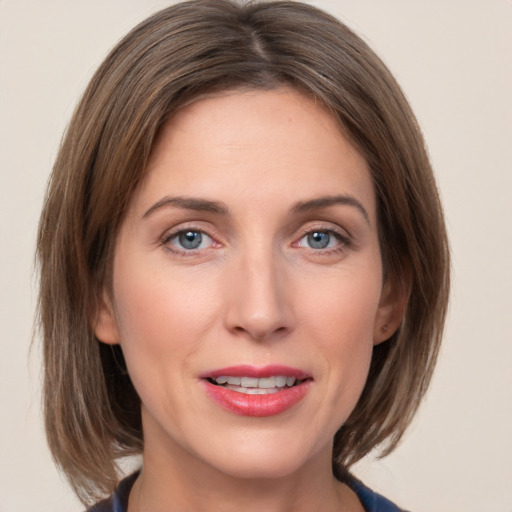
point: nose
(259, 303)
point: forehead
(253, 147)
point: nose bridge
(259, 305)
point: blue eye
(320, 240)
(189, 240)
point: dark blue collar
(371, 501)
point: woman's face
(251, 252)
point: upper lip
(245, 370)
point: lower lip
(257, 405)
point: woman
(244, 266)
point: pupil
(318, 240)
(190, 239)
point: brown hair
(92, 411)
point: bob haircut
(190, 49)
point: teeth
(267, 383)
(281, 381)
(253, 391)
(248, 382)
(252, 383)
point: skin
(255, 292)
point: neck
(175, 479)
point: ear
(391, 310)
(105, 323)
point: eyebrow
(206, 205)
(189, 203)
(324, 202)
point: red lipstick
(272, 401)
(245, 370)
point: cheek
(341, 319)
(160, 319)
(153, 300)
(159, 335)
(343, 307)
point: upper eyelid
(174, 234)
(331, 231)
(170, 235)
(330, 228)
(343, 239)
(193, 226)
(323, 226)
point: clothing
(371, 501)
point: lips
(252, 391)
(255, 386)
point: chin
(261, 470)
(264, 460)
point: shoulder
(118, 502)
(372, 501)
(102, 506)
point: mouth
(251, 391)
(254, 385)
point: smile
(255, 386)
(250, 391)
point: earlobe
(105, 324)
(392, 306)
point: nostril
(257, 307)
(260, 334)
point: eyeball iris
(318, 239)
(190, 239)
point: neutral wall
(453, 59)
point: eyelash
(168, 237)
(344, 240)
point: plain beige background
(453, 59)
